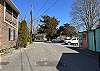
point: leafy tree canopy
(49, 26)
(67, 30)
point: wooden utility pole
(31, 22)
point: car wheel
(69, 43)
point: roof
(13, 6)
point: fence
(80, 39)
(85, 39)
(90, 39)
(97, 35)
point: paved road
(38, 56)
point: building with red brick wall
(8, 23)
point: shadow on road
(82, 61)
(4, 63)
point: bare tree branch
(86, 12)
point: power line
(34, 6)
(42, 7)
(48, 8)
(55, 2)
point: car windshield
(67, 39)
(73, 38)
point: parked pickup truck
(72, 41)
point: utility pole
(31, 22)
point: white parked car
(67, 41)
(72, 41)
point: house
(8, 23)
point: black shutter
(9, 33)
(13, 34)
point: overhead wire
(42, 7)
(52, 5)
(55, 2)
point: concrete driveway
(38, 56)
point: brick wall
(1, 18)
(4, 30)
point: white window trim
(11, 35)
(4, 17)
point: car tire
(69, 43)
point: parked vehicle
(58, 39)
(55, 40)
(72, 41)
(67, 41)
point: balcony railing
(8, 16)
(14, 21)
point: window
(8, 9)
(15, 14)
(73, 38)
(9, 34)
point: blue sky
(61, 10)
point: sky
(59, 8)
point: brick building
(8, 23)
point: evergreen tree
(49, 26)
(23, 34)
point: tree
(86, 12)
(67, 30)
(23, 34)
(49, 26)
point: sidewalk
(13, 52)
